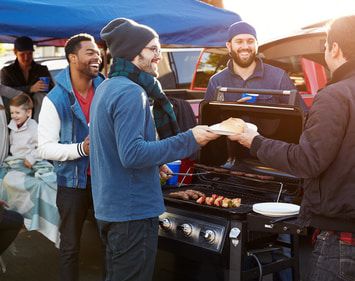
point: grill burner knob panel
(195, 229)
(165, 224)
(186, 228)
(209, 235)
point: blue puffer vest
(73, 129)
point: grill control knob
(165, 224)
(186, 228)
(209, 235)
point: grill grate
(246, 206)
(250, 190)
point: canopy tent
(178, 22)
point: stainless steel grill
(202, 242)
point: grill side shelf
(257, 222)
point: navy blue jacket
(265, 76)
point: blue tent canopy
(178, 22)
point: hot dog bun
(235, 125)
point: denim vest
(73, 129)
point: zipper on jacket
(76, 176)
(72, 101)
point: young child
(24, 133)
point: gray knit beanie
(125, 38)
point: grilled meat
(201, 200)
(192, 195)
(209, 201)
(195, 192)
(218, 201)
(179, 195)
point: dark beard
(240, 62)
(88, 72)
(146, 67)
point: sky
(275, 18)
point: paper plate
(216, 128)
(273, 209)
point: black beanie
(125, 38)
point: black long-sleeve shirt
(13, 77)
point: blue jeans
(131, 248)
(332, 259)
(10, 225)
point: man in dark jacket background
(24, 74)
(325, 159)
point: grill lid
(281, 122)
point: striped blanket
(32, 193)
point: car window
(302, 71)
(177, 67)
(185, 63)
(166, 74)
(210, 63)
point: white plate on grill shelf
(273, 209)
(216, 128)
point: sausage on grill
(179, 195)
(192, 194)
(199, 193)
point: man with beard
(246, 70)
(325, 159)
(126, 157)
(63, 137)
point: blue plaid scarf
(164, 116)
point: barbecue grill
(202, 242)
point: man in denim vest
(63, 137)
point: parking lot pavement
(36, 258)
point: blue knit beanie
(240, 27)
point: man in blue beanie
(246, 70)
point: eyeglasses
(154, 49)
